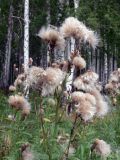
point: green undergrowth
(19, 132)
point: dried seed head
(52, 36)
(77, 96)
(12, 88)
(101, 105)
(20, 103)
(109, 86)
(101, 148)
(79, 62)
(26, 153)
(52, 79)
(72, 27)
(86, 110)
(20, 79)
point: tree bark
(48, 22)
(26, 35)
(8, 49)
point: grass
(14, 134)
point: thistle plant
(113, 86)
(81, 103)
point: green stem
(70, 139)
(56, 118)
(45, 138)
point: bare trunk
(93, 61)
(26, 35)
(48, 22)
(115, 61)
(67, 49)
(8, 48)
(73, 45)
(76, 4)
(98, 59)
(59, 53)
(26, 44)
(105, 68)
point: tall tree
(8, 48)
(26, 35)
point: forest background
(101, 16)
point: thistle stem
(45, 138)
(70, 139)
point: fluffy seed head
(16, 101)
(90, 98)
(85, 104)
(72, 27)
(35, 77)
(19, 80)
(82, 85)
(79, 62)
(20, 103)
(109, 86)
(90, 76)
(86, 110)
(91, 38)
(52, 36)
(26, 109)
(52, 79)
(101, 148)
(12, 88)
(77, 96)
(114, 77)
(26, 153)
(101, 105)
(86, 82)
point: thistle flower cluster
(87, 99)
(20, 103)
(85, 96)
(90, 104)
(71, 27)
(44, 80)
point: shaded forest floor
(15, 133)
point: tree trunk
(8, 48)
(76, 5)
(93, 61)
(105, 68)
(26, 35)
(48, 22)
